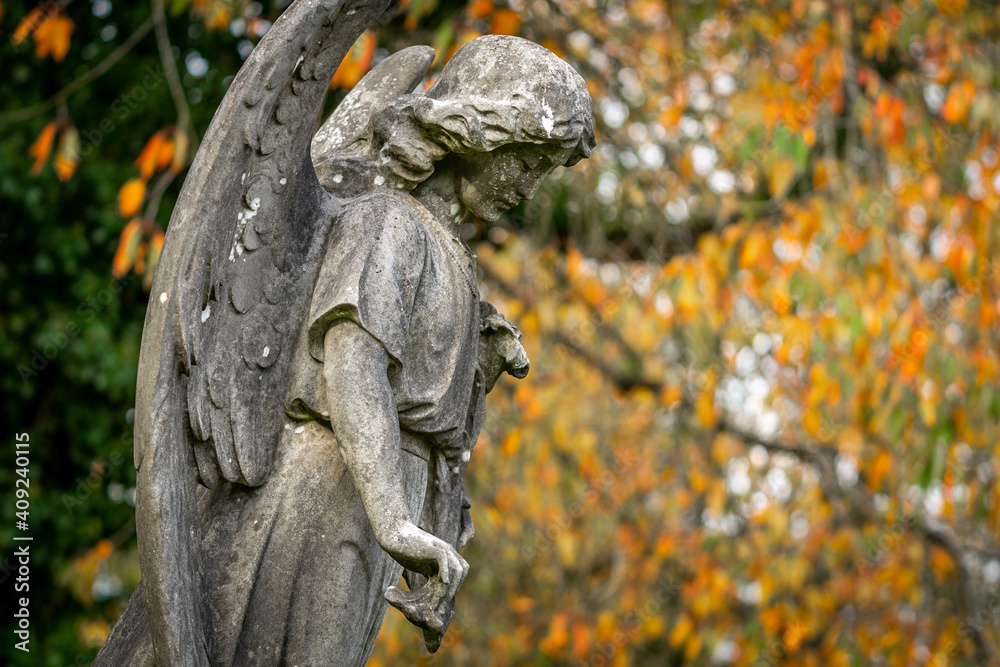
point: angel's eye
(531, 162)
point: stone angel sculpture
(315, 355)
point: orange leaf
(27, 25)
(147, 161)
(477, 9)
(130, 197)
(128, 247)
(52, 36)
(511, 443)
(140, 258)
(103, 549)
(956, 106)
(42, 147)
(879, 469)
(811, 422)
(165, 156)
(558, 636)
(751, 251)
(356, 63)
(505, 22)
(68, 154)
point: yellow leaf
(128, 248)
(811, 422)
(653, 627)
(130, 197)
(780, 176)
(705, 409)
(751, 250)
(717, 497)
(180, 150)
(692, 649)
(680, 632)
(928, 411)
(68, 154)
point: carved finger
(443, 562)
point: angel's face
(494, 182)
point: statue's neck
(439, 195)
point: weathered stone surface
(315, 357)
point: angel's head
(509, 112)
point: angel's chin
(488, 214)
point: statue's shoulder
(385, 210)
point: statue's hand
(419, 551)
(428, 607)
(431, 606)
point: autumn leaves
(67, 153)
(142, 239)
(165, 150)
(50, 28)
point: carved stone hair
(496, 90)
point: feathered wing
(231, 285)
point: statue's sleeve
(371, 269)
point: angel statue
(315, 355)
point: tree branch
(173, 78)
(102, 67)
(860, 507)
(623, 381)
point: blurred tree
(761, 422)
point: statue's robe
(291, 570)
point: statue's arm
(365, 422)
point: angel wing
(229, 289)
